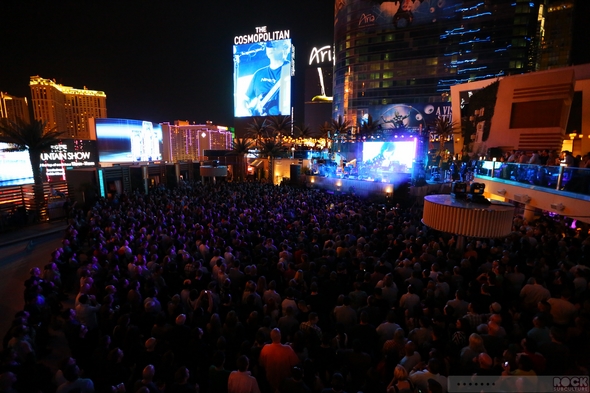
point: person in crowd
(401, 381)
(241, 381)
(277, 360)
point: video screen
(396, 156)
(123, 140)
(15, 167)
(262, 78)
(68, 153)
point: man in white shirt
(420, 377)
(562, 310)
(387, 329)
(532, 293)
(241, 381)
(409, 300)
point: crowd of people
(249, 287)
(547, 157)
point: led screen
(394, 156)
(394, 14)
(262, 78)
(69, 153)
(122, 140)
(414, 117)
(15, 167)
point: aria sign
(321, 55)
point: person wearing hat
(263, 96)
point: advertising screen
(398, 14)
(15, 167)
(412, 117)
(262, 78)
(69, 153)
(396, 156)
(123, 140)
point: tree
(304, 132)
(279, 125)
(241, 146)
(271, 149)
(35, 138)
(341, 126)
(257, 130)
(443, 128)
(340, 129)
(326, 130)
(370, 128)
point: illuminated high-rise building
(411, 52)
(66, 108)
(188, 142)
(557, 39)
(14, 108)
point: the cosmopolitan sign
(69, 153)
(262, 35)
(321, 55)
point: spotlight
(459, 190)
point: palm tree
(340, 129)
(341, 126)
(35, 138)
(270, 149)
(241, 146)
(257, 130)
(304, 132)
(326, 130)
(370, 128)
(443, 128)
(279, 125)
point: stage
(367, 188)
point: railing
(562, 178)
(18, 206)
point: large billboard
(69, 153)
(395, 14)
(123, 140)
(15, 167)
(262, 73)
(414, 117)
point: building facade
(14, 108)
(187, 142)
(411, 52)
(66, 108)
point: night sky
(155, 60)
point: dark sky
(155, 60)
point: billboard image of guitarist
(268, 93)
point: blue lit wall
(412, 51)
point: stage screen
(123, 140)
(15, 167)
(262, 78)
(396, 156)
